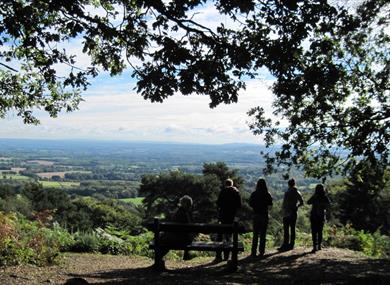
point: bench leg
(234, 260)
(159, 263)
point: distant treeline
(102, 174)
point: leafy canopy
(331, 65)
(162, 192)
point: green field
(45, 184)
(58, 184)
(15, 177)
(136, 201)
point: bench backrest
(163, 226)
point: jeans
(260, 224)
(289, 223)
(317, 226)
(224, 237)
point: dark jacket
(259, 201)
(229, 201)
(291, 201)
(319, 206)
(180, 216)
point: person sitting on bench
(181, 215)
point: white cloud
(109, 114)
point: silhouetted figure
(181, 215)
(291, 202)
(320, 203)
(229, 201)
(260, 200)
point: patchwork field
(42, 162)
(59, 184)
(135, 201)
(15, 177)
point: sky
(113, 111)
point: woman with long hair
(260, 200)
(320, 203)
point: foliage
(110, 189)
(334, 90)
(162, 193)
(364, 202)
(86, 242)
(331, 65)
(17, 203)
(83, 214)
(90, 213)
(129, 244)
(135, 201)
(112, 241)
(371, 244)
(23, 241)
(222, 171)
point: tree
(331, 66)
(88, 213)
(364, 203)
(162, 193)
(223, 172)
(334, 95)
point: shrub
(85, 242)
(23, 241)
(374, 245)
(116, 241)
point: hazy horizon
(87, 140)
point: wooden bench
(234, 246)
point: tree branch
(9, 67)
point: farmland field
(41, 162)
(135, 201)
(15, 177)
(57, 173)
(51, 174)
(58, 184)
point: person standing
(320, 203)
(228, 202)
(291, 202)
(260, 200)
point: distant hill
(134, 151)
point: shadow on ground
(284, 268)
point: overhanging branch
(9, 67)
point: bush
(374, 245)
(116, 241)
(59, 236)
(112, 241)
(86, 242)
(23, 241)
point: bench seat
(202, 246)
(235, 246)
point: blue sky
(113, 111)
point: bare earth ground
(299, 266)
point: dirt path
(329, 266)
